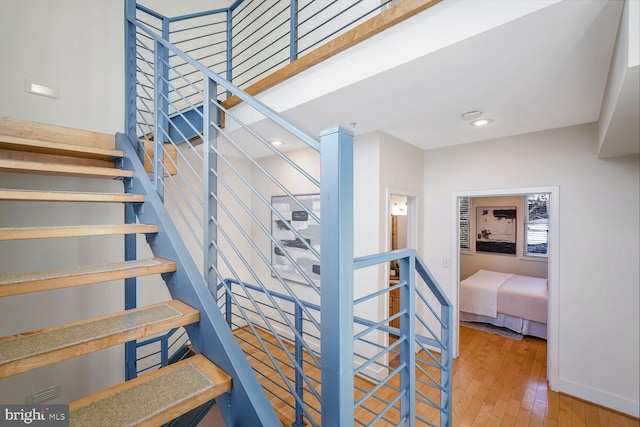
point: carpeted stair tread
(14, 284)
(9, 142)
(22, 352)
(67, 196)
(20, 233)
(153, 399)
(24, 166)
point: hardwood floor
(497, 382)
(502, 382)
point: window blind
(465, 222)
(536, 225)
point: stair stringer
(247, 403)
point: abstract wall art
(295, 230)
(496, 230)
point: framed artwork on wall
(496, 230)
(289, 228)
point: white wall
(369, 228)
(598, 271)
(74, 45)
(382, 165)
(21, 313)
(401, 172)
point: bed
(507, 300)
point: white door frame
(412, 217)
(553, 268)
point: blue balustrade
(218, 185)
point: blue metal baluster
(230, 44)
(293, 31)
(228, 314)
(130, 353)
(336, 160)
(130, 71)
(164, 350)
(130, 289)
(408, 330)
(210, 185)
(446, 374)
(161, 125)
(299, 381)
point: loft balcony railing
(304, 298)
(251, 43)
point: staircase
(151, 399)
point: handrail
(197, 14)
(421, 268)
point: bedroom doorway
(465, 234)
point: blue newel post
(336, 171)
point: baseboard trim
(599, 397)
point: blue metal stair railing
(412, 363)
(304, 407)
(245, 405)
(210, 190)
(213, 191)
(403, 376)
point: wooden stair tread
(55, 133)
(15, 284)
(8, 165)
(155, 398)
(9, 142)
(22, 233)
(31, 350)
(67, 196)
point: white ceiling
(543, 70)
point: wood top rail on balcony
(395, 14)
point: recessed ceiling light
(475, 118)
(276, 143)
(480, 122)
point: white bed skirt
(516, 324)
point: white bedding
(525, 297)
(487, 295)
(479, 292)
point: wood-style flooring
(497, 382)
(503, 382)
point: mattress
(525, 297)
(487, 293)
(479, 292)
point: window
(465, 221)
(536, 225)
